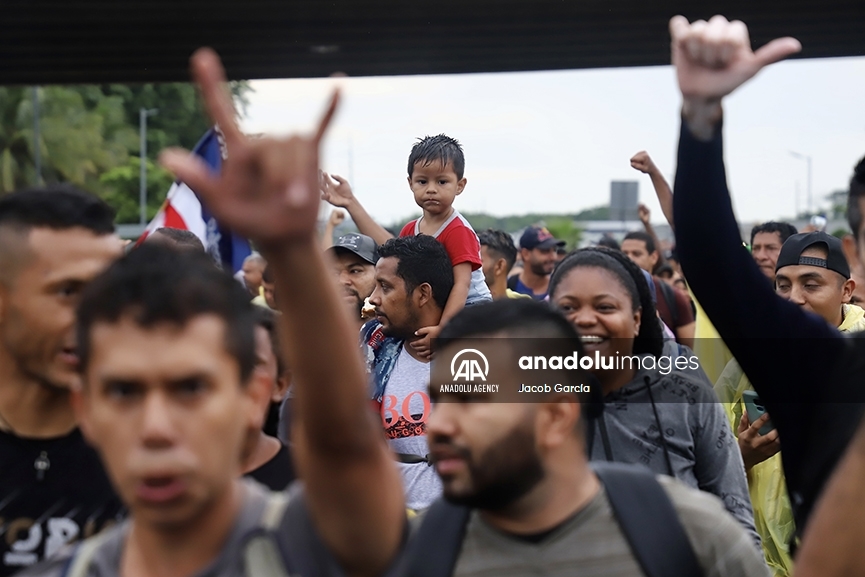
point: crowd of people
(307, 417)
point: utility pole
(806, 158)
(142, 192)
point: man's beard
(503, 474)
(358, 306)
(405, 331)
(540, 269)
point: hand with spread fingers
(269, 188)
(714, 58)
(755, 447)
(336, 190)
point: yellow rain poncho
(773, 516)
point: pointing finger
(328, 116)
(209, 75)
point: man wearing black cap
(812, 272)
(538, 253)
(354, 258)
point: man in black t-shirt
(270, 461)
(53, 489)
(173, 404)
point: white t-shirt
(405, 408)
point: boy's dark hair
(529, 322)
(857, 191)
(643, 236)
(156, 284)
(422, 259)
(501, 244)
(440, 148)
(650, 339)
(184, 239)
(784, 230)
(58, 207)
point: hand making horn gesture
(269, 188)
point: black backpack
(639, 503)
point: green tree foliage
(77, 141)
(89, 136)
(565, 229)
(180, 120)
(120, 189)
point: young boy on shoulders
(435, 175)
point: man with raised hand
(171, 399)
(269, 193)
(816, 402)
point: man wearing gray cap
(354, 258)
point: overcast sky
(553, 141)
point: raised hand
(336, 218)
(335, 189)
(644, 213)
(268, 189)
(643, 162)
(714, 58)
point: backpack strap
(649, 521)
(79, 563)
(435, 546)
(277, 503)
(261, 554)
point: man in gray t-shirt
(510, 444)
(173, 404)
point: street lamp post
(142, 192)
(808, 159)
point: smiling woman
(668, 420)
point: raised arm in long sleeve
(762, 330)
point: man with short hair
(354, 257)
(176, 237)
(498, 255)
(766, 242)
(173, 404)
(538, 253)
(53, 489)
(674, 306)
(521, 496)
(414, 278)
(253, 268)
